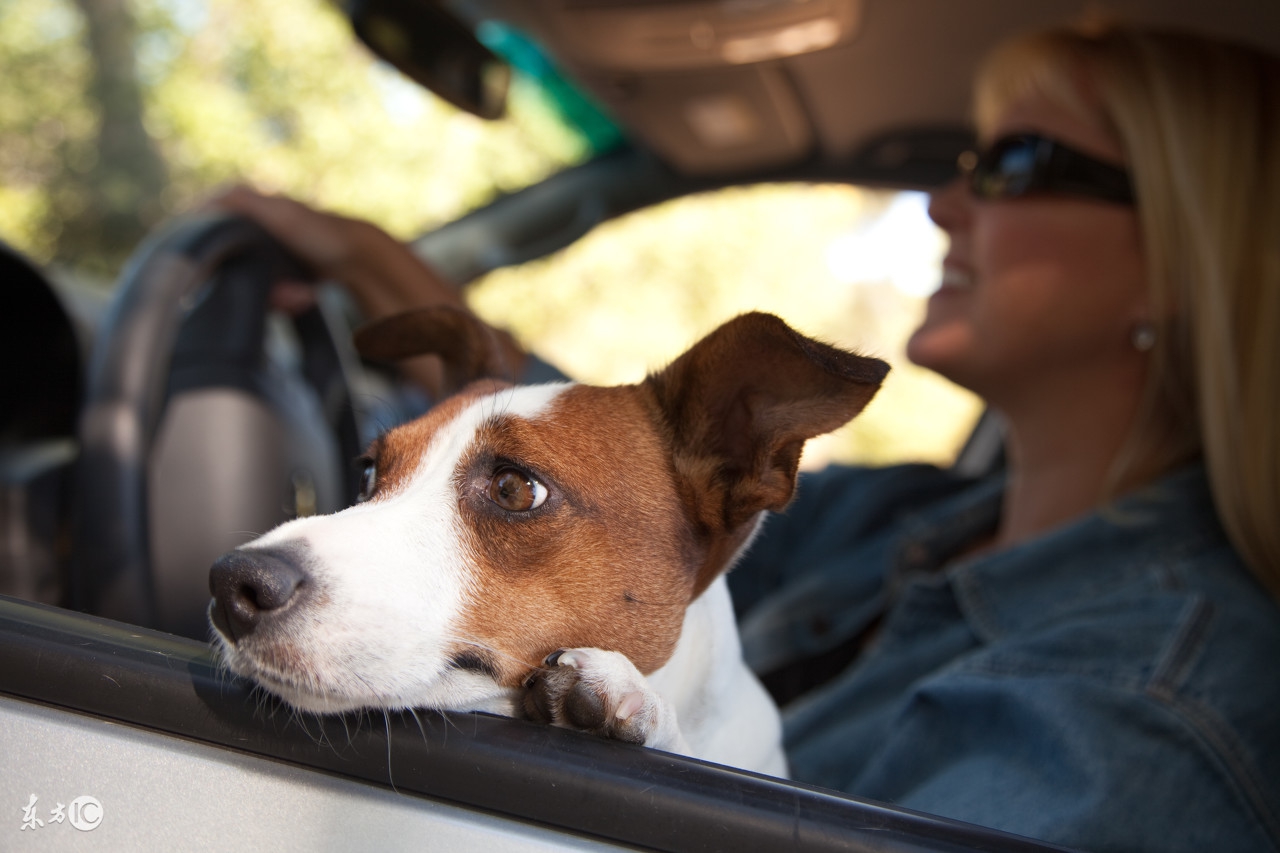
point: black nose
(249, 587)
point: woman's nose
(950, 206)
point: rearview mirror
(435, 49)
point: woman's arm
(382, 274)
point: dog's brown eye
(516, 491)
(368, 478)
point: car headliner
(900, 65)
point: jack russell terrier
(553, 552)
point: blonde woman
(1081, 648)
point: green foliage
(46, 122)
(277, 93)
(281, 95)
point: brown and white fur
(555, 552)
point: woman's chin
(937, 346)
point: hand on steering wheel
(382, 274)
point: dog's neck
(706, 654)
(720, 703)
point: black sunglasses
(1025, 164)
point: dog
(552, 552)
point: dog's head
(509, 522)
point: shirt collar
(930, 538)
(1015, 588)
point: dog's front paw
(603, 693)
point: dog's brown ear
(739, 406)
(467, 348)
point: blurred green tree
(116, 113)
(46, 122)
(117, 198)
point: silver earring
(1143, 336)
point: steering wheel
(205, 422)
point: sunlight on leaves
(637, 291)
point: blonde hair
(1199, 121)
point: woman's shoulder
(1163, 652)
(1149, 593)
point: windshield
(118, 115)
(848, 264)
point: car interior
(112, 412)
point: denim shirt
(1111, 685)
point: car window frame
(572, 782)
